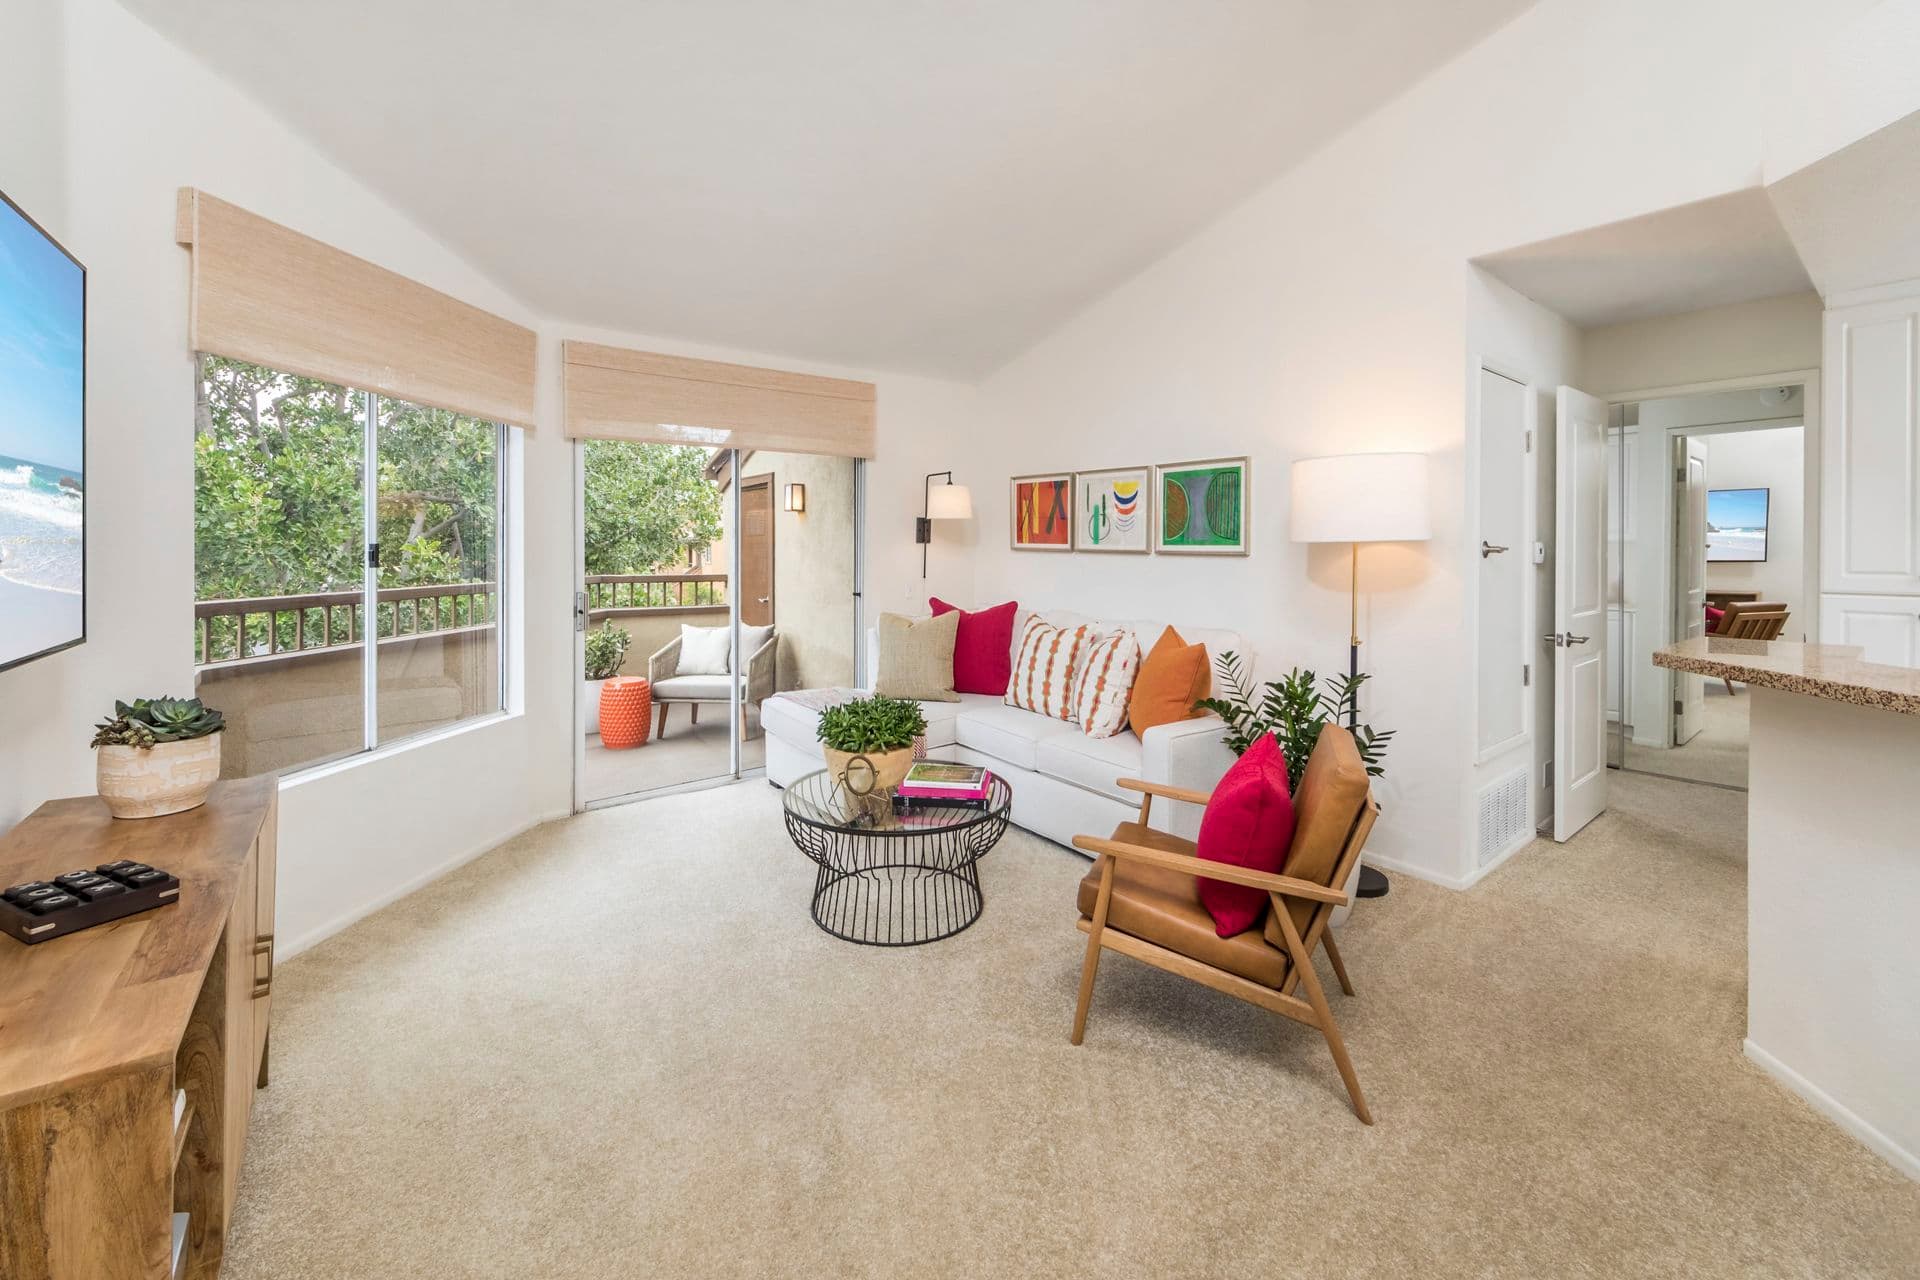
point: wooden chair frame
(1314, 1010)
(1751, 620)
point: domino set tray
(40, 910)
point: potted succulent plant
(606, 651)
(157, 756)
(881, 729)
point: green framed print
(1042, 512)
(1206, 507)
(1113, 510)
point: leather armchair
(1141, 900)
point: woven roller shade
(266, 294)
(616, 394)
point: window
(287, 472)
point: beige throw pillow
(916, 658)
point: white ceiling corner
(1710, 253)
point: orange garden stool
(626, 706)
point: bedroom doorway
(1711, 534)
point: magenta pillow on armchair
(1248, 823)
(983, 649)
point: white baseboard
(287, 950)
(1825, 1103)
(1399, 868)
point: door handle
(1573, 639)
(1488, 549)
(1563, 639)
(762, 599)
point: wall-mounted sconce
(948, 501)
(796, 497)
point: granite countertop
(1835, 672)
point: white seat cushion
(1007, 733)
(1094, 763)
(691, 689)
(794, 720)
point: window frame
(370, 742)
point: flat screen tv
(1736, 525)
(43, 439)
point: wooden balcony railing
(228, 631)
(612, 592)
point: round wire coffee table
(888, 878)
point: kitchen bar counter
(1833, 878)
(1834, 672)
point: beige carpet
(1717, 754)
(619, 1048)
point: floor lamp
(1355, 498)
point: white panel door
(1579, 612)
(1870, 468)
(1886, 627)
(1690, 581)
(1502, 625)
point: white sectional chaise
(1063, 781)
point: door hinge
(1526, 675)
(579, 611)
(373, 555)
(1679, 708)
(1529, 441)
(1679, 475)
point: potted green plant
(1293, 709)
(881, 729)
(606, 653)
(157, 756)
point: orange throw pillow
(1173, 678)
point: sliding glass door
(712, 579)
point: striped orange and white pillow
(1044, 668)
(1104, 682)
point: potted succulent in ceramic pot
(606, 651)
(880, 729)
(157, 756)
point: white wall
(1745, 339)
(1772, 460)
(1325, 315)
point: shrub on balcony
(606, 651)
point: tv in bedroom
(43, 457)
(1736, 525)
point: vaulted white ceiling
(910, 184)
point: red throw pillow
(1248, 823)
(1713, 617)
(983, 650)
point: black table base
(883, 885)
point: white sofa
(1063, 781)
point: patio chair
(756, 683)
(1141, 900)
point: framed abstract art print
(1205, 507)
(1113, 510)
(1042, 512)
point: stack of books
(932, 782)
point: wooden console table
(129, 1053)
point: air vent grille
(1503, 816)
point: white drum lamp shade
(1362, 497)
(950, 502)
